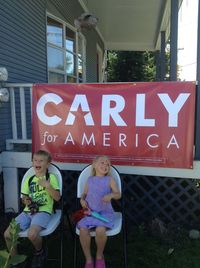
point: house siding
(23, 48)
(23, 40)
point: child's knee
(32, 234)
(84, 231)
(100, 231)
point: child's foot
(89, 265)
(39, 259)
(100, 263)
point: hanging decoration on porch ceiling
(86, 21)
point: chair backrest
(52, 169)
(87, 171)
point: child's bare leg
(34, 237)
(100, 239)
(85, 240)
(7, 237)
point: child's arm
(115, 194)
(55, 194)
(83, 196)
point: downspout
(173, 39)
(157, 57)
(162, 57)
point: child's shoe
(100, 263)
(39, 259)
(89, 265)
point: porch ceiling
(130, 24)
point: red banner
(141, 124)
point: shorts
(25, 220)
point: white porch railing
(19, 95)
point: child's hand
(87, 211)
(83, 203)
(44, 183)
(107, 198)
(26, 200)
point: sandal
(100, 263)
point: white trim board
(23, 160)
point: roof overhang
(130, 24)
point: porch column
(197, 119)
(173, 39)
(162, 57)
(157, 57)
(11, 189)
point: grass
(153, 251)
(144, 250)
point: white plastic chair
(118, 217)
(56, 217)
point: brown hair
(93, 173)
(46, 154)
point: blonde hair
(93, 173)
(45, 154)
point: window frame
(78, 36)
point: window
(65, 53)
(54, 32)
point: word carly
(112, 106)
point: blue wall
(23, 40)
(23, 48)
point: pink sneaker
(100, 263)
(89, 265)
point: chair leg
(61, 246)
(75, 251)
(124, 242)
(70, 225)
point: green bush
(6, 259)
